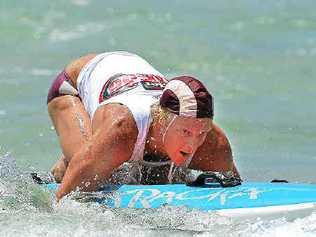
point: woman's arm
(112, 143)
(215, 154)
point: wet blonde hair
(161, 114)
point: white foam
(78, 32)
(3, 112)
(81, 3)
(42, 72)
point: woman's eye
(186, 132)
(203, 134)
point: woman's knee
(59, 169)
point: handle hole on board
(216, 179)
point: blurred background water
(255, 57)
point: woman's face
(184, 136)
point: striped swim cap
(187, 96)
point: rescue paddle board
(247, 199)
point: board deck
(262, 197)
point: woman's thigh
(71, 122)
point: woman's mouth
(185, 154)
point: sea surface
(256, 57)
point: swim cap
(187, 96)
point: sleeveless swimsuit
(125, 78)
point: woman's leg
(59, 169)
(73, 127)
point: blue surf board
(263, 197)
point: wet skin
(93, 149)
(184, 136)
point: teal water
(256, 57)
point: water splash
(25, 204)
(17, 189)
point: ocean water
(256, 57)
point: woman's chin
(178, 161)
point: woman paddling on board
(114, 108)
